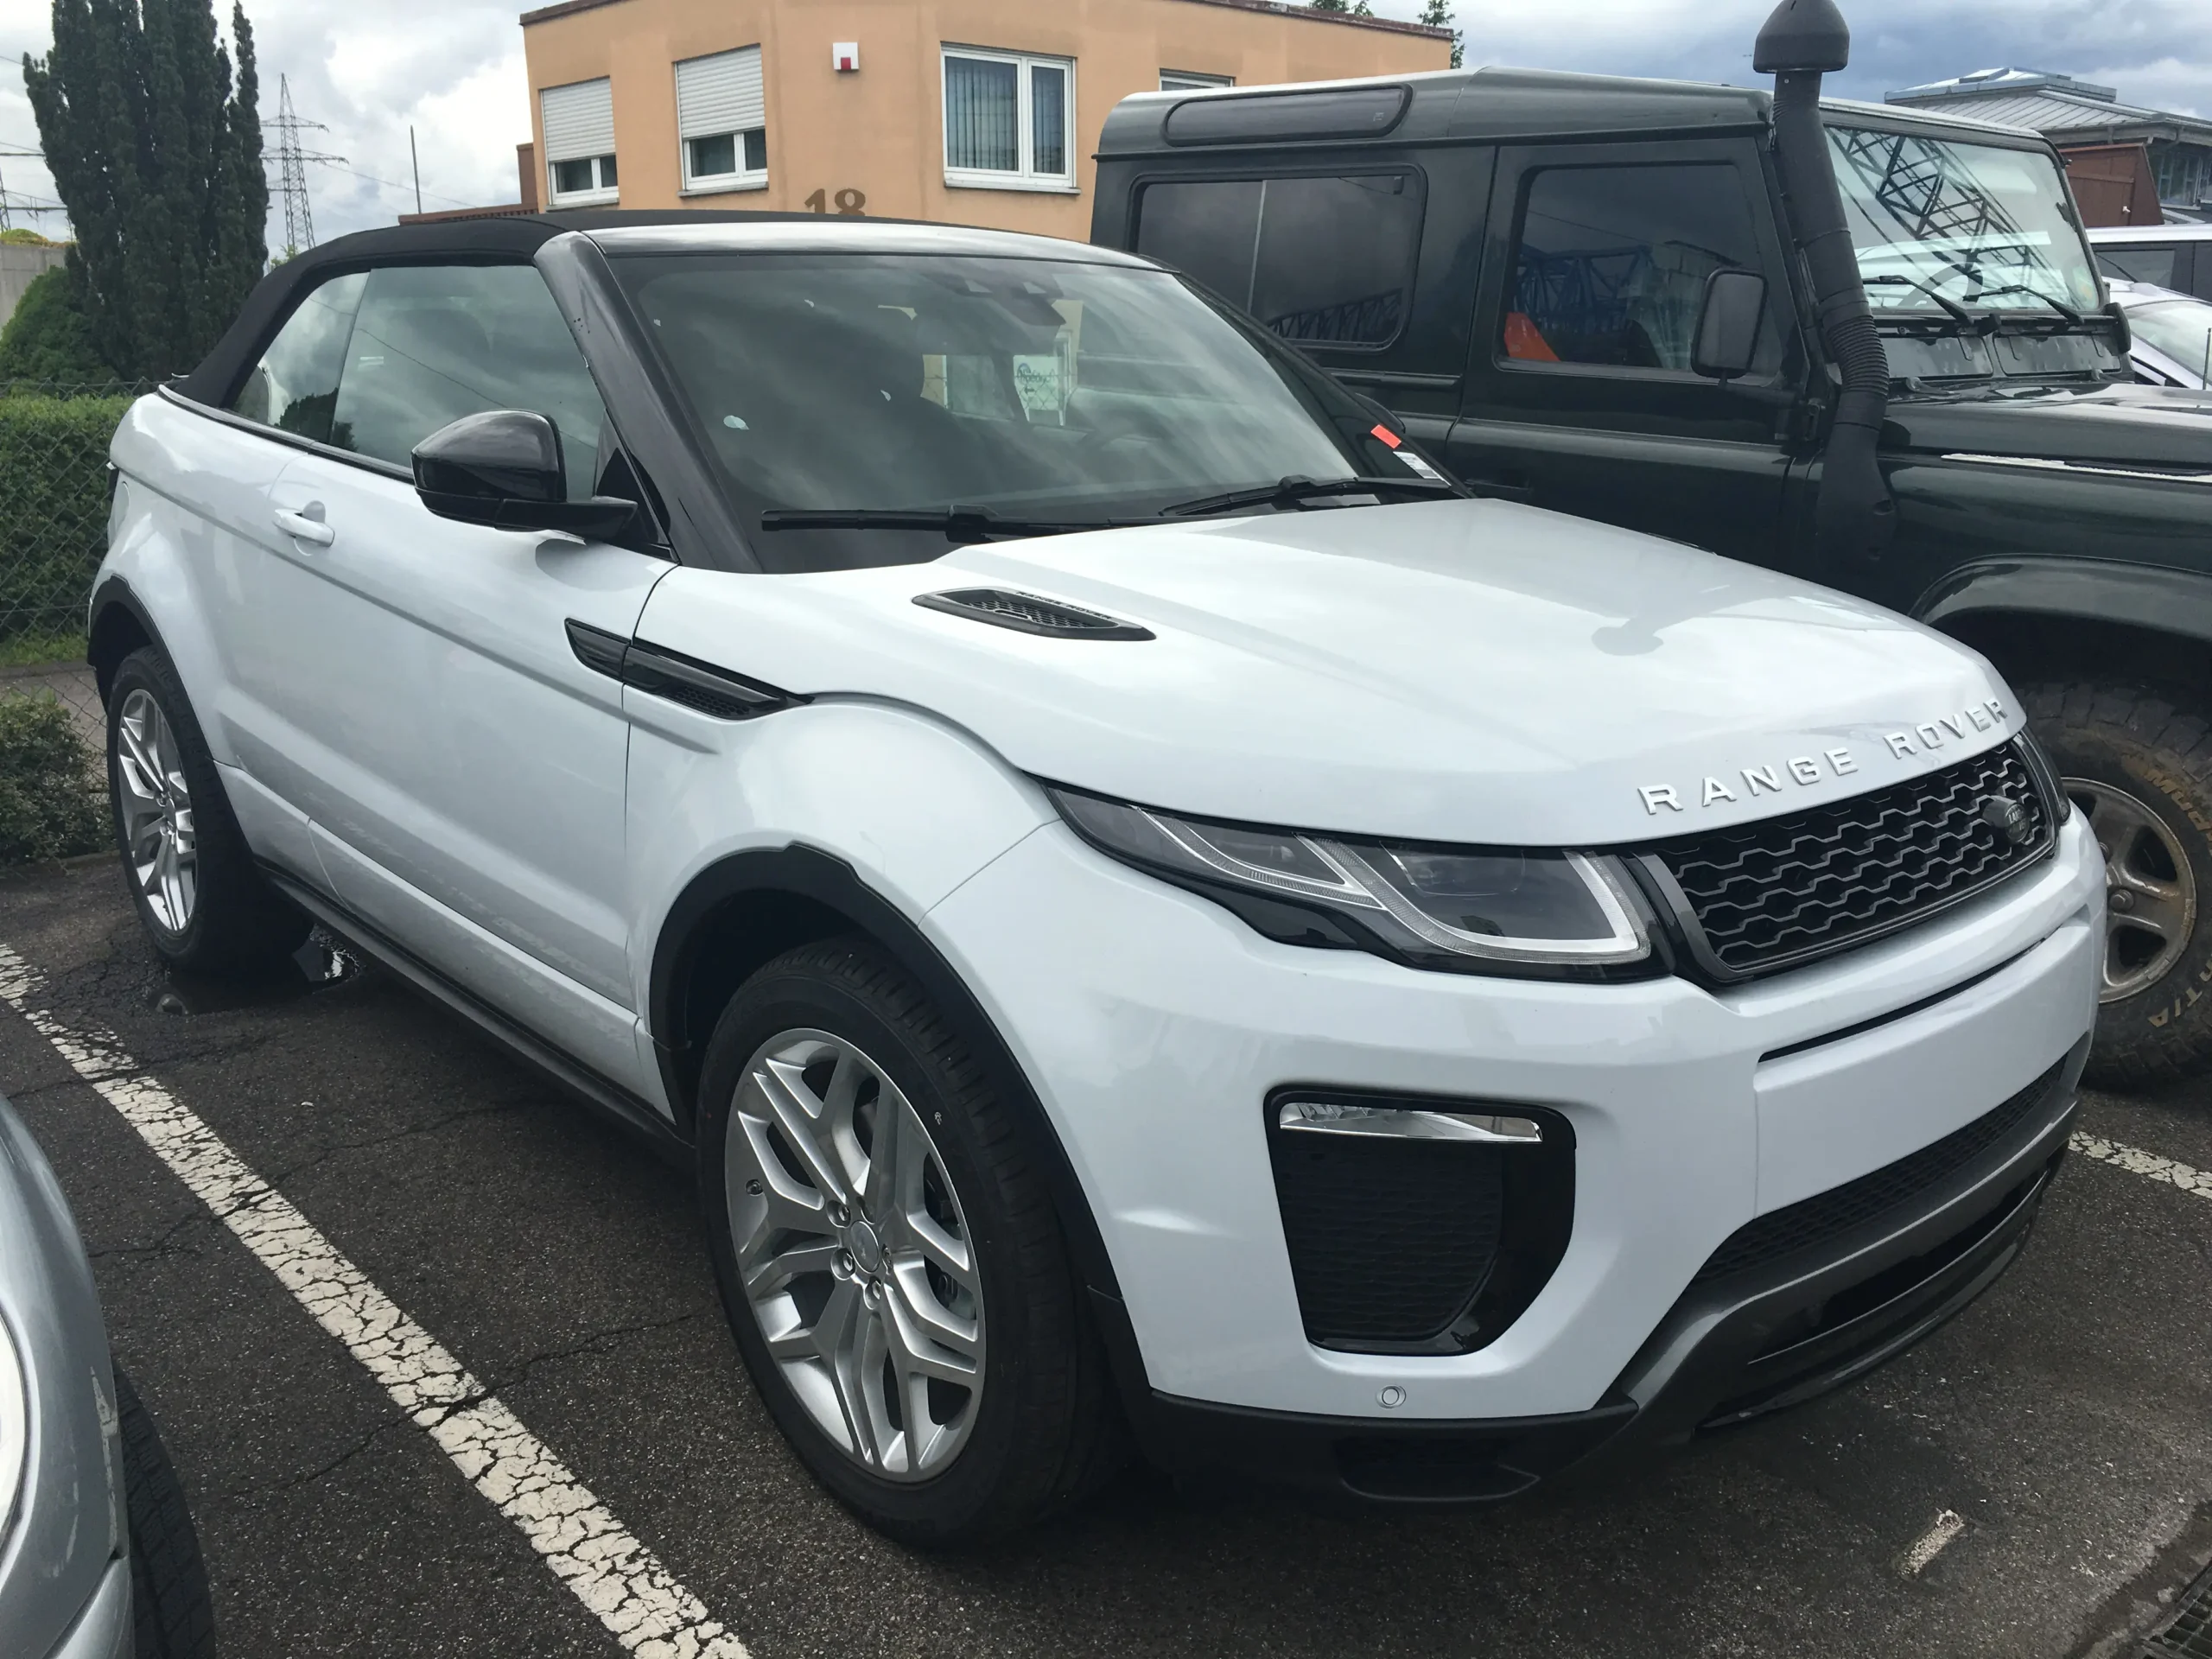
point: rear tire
(817, 1217)
(204, 903)
(172, 1614)
(2138, 761)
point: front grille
(1777, 893)
(1827, 1216)
(1420, 1246)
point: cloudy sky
(453, 70)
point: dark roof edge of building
(1272, 8)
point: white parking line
(2139, 1162)
(615, 1576)
(1950, 1523)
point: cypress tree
(156, 150)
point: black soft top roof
(512, 239)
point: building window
(722, 117)
(1009, 121)
(1190, 81)
(579, 142)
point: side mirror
(1728, 324)
(2123, 331)
(503, 468)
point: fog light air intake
(1418, 1224)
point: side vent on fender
(671, 674)
(1028, 614)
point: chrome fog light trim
(1406, 1123)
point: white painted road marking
(2139, 1162)
(614, 1575)
(1950, 1523)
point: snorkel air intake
(1802, 40)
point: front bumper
(1153, 1026)
(1727, 1352)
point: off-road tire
(2156, 744)
(172, 1615)
(1048, 1431)
(239, 925)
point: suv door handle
(307, 526)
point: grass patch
(29, 650)
(50, 805)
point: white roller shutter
(578, 120)
(720, 94)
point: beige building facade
(964, 111)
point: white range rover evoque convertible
(1153, 915)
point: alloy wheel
(159, 839)
(2150, 890)
(855, 1254)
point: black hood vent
(1027, 613)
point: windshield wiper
(2059, 306)
(1289, 491)
(958, 523)
(1958, 312)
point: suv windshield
(1033, 389)
(1986, 228)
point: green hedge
(51, 800)
(54, 501)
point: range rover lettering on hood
(1801, 769)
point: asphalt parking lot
(2065, 1420)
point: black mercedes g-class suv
(1864, 343)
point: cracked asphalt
(2066, 1418)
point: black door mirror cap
(1728, 324)
(503, 469)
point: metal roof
(2051, 111)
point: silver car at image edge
(98, 1559)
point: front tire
(172, 1614)
(890, 1261)
(204, 906)
(2137, 763)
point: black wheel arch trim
(807, 873)
(114, 594)
(2153, 598)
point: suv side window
(1610, 264)
(295, 386)
(2133, 263)
(432, 343)
(1323, 260)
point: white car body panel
(1471, 671)
(1154, 1024)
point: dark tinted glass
(1072, 391)
(711, 157)
(2152, 265)
(432, 343)
(1612, 261)
(571, 177)
(1324, 261)
(756, 150)
(295, 386)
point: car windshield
(2182, 328)
(1985, 227)
(1037, 389)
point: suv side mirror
(1728, 324)
(503, 468)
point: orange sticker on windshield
(1389, 438)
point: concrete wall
(20, 266)
(881, 132)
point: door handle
(307, 524)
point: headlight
(1476, 910)
(15, 1427)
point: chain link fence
(54, 503)
(54, 500)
